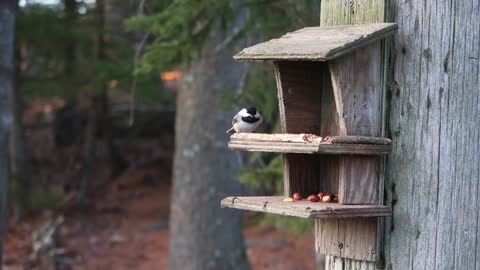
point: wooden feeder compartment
(326, 89)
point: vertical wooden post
(343, 12)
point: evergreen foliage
(42, 37)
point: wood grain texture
(338, 263)
(434, 171)
(318, 43)
(304, 208)
(345, 12)
(305, 94)
(359, 180)
(300, 94)
(358, 88)
(299, 143)
(347, 238)
(302, 174)
(299, 148)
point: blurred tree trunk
(94, 111)
(117, 163)
(203, 235)
(19, 160)
(7, 30)
(70, 18)
(88, 154)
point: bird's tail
(231, 131)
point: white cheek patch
(243, 113)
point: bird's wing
(235, 119)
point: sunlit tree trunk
(7, 30)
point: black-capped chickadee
(245, 121)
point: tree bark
(7, 30)
(117, 163)
(70, 7)
(434, 169)
(203, 235)
(19, 157)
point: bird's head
(252, 111)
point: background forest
(118, 154)
(113, 147)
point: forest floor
(127, 228)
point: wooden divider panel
(306, 105)
(357, 87)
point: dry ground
(128, 229)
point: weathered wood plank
(308, 144)
(359, 180)
(308, 138)
(304, 208)
(350, 238)
(304, 94)
(358, 90)
(434, 171)
(318, 43)
(360, 140)
(358, 95)
(300, 94)
(345, 12)
(298, 148)
(302, 174)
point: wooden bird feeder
(324, 89)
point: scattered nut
(297, 196)
(313, 198)
(310, 137)
(288, 199)
(326, 198)
(335, 200)
(321, 194)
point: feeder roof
(318, 43)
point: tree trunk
(88, 155)
(434, 170)
(7, 30)
(70, 7)
(203, 235)
(19, 158)
(94, 111)
(117, 163)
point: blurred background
(118, 151)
